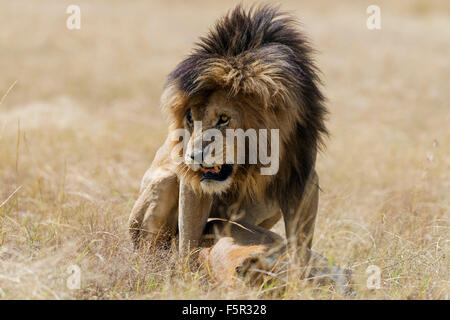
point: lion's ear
(173, 105)
(172, 99)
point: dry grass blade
(7, 92)
(10, 196)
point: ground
(80, 123)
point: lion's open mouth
(218, 173)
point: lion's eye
(223, 119)
(189, 116)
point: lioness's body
(234, 250)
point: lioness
(253, 70)
(231, 250)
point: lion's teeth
(214, 169)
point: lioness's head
(249, 84)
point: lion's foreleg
(153, 218)
(300, 217)
(194, 210)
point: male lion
(252, 70)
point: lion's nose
(197, 156)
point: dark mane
(240, 33)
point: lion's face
(223, 148)
(205, 120)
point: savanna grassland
(80, 123)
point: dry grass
(82, 123)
